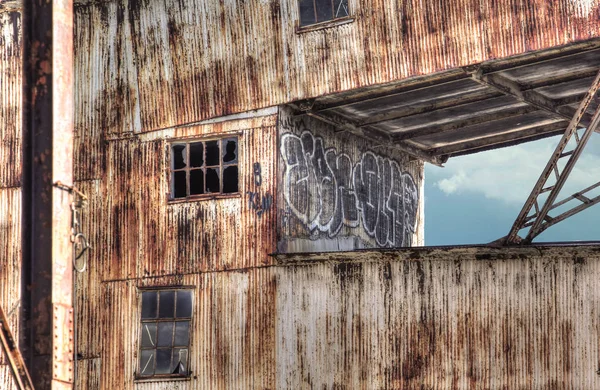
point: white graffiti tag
(326, 191)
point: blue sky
(475, 199)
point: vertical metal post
(47, 315)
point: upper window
(317, 11)
(204, 167)
(165, 333)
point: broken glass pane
(324, 10)
(179, 156)
(179, 184)
(341, 8)
(182, 333)
(184, 304)
(196, 154)
(180, 359)
(196, 182)
(230, 153)
(165, 334)
(147, 362)
(149, 334)
(166, 307)
(212, 153)
(163, 361)
(149, 304)
(212, 180)
(307, 12)
(230, 179)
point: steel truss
(539, 220)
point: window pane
(212, 153)
(149, 334)
(230, 179)
(324, 10)
(196, 154)
(166, 307)
(148, 304)
(196, 182)
(184, 304)
(180, 360)
(182, 333)
(230, 152)
(212, 180)
(147, 362)
(179, 184)
(163, 361)
(341, 8)
(307, 12)
(179, 156)
(165, 334)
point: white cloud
(509, 174)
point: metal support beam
(15, 360)
(539, 221)
(379, 137)
(47, 290)
(528, 96)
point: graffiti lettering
(259, 203)
(257, 174)
(326, 191)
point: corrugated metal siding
(10, 258)
(435, 319)
(136, 233)
(141, 234)
(10, 177)
(10, 99)
(231, 311)
(146, 65)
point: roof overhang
(494, 104)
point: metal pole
(47, 314)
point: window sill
(198, 198)
(324, 25)
(167, 378)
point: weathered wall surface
(136, 232)
(340, 192)
(147, 65)
(10, 171)
(478, 318)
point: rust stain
(156, 65)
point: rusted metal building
(254, 175)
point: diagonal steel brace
(15, 359)
(540, 220)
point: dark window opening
(207, 167)
(317, 11)
(165, 333)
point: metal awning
(467, 110)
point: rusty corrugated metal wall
(139, 236)
(10, 174)
(143, 67)
(146, 65)
(475, 318)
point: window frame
(212, 195)
(138, 377)
(326, 23)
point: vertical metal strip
(47, 288)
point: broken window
(204, 167)
(317, 11)
(165, 333)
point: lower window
(165, 333)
